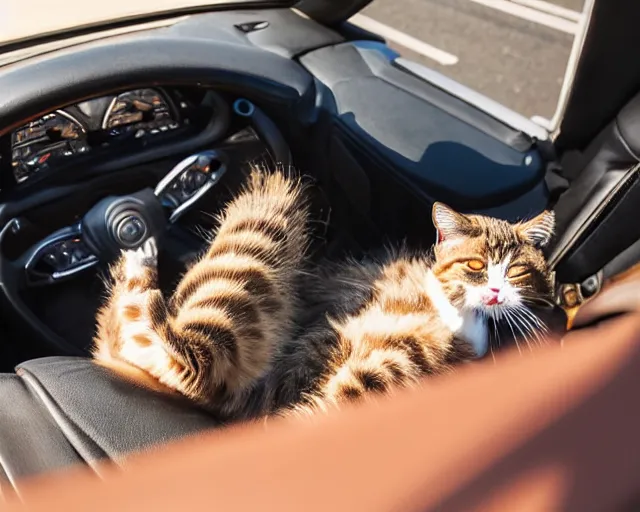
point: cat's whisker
(494, 336)
(529, 328)
(495, 330)
(515, 337)
(540, 328)
(493, 356)
(532, 332)
(537, 301)
(534, 318)
(524, 327)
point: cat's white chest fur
(466, 325)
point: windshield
(26, 19)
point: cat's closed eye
(476, 265)
(518, 271)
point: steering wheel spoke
(189, 181)
(60, 256)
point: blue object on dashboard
(379, 47)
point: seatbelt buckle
(571, 296)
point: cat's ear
(539, 230)
(449, 224)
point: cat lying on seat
(251, 331)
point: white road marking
(529, 14)
(554, 9)
(411, 43)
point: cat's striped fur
(250, 331)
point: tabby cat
(251, 331)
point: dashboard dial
(37, 144)
(139, 113)
(128, 121)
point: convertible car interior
(108, 137)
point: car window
(513, 51)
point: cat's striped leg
(236, 306)
(360, 365)
(126, 337)
(232, 309)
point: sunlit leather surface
(555, 430)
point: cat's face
(491, 266)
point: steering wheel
(122, 222)
(35, 86)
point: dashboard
(88, 129)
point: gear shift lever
(188, 181)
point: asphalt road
(509, 57)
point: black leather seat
(60, 411)
(597, 217)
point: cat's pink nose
(492, 297)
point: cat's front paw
(140, 262)
(148, 252)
